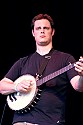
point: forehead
(42, 22)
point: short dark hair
(42, 16)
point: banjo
(23, 102)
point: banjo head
(21, 100)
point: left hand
(79, 66)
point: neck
(43, 50)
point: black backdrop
(17, 41)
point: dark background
(17, 41)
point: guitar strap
(44, 64)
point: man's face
(42, 32)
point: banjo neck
(54, 74)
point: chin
(43, 43)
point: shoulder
(25, 58)
(64, 56)
(57, 52)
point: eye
(37, 28)
(46, 28)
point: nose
(42, 31)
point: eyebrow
(47, 27)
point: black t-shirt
(50, 109)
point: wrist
(15, 87)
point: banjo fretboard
(55, 74)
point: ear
(53, 32)
(33, 32)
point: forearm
(80, 83)
(6, 86)
(77, 83)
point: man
(50, 108)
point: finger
(81, 59)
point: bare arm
(6, 86)
(77, 81)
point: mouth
(42, 36)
